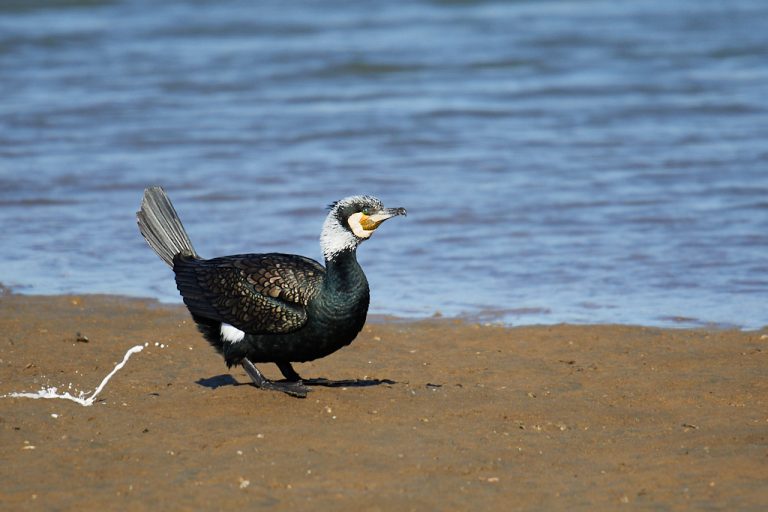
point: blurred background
(561, 161)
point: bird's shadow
(227, 380)
(219, 381)
(347, 383)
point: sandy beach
(445, 415)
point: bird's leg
(288, 372)
(260, 381)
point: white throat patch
(231, 333)
(357, 227)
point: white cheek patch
(357, 228)
(231, 333)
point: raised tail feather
(161, 227)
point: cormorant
(272, 308)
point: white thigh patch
(231, 333)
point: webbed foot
(293, 388)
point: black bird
(272, 308)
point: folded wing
(257, 293)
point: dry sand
(478, 417)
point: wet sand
(477, 417)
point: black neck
(344, 274)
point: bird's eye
(366, 211)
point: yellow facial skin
(363, 225)
(369, 223)
(358, 228)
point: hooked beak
(371, 222)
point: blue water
(561, 161)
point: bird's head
(352, 220)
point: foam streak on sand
(81, 399)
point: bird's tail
(161, 226)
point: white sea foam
(82, 398)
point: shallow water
(561, 161)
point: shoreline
(484, 317)
(457, 415)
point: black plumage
(273, 307)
